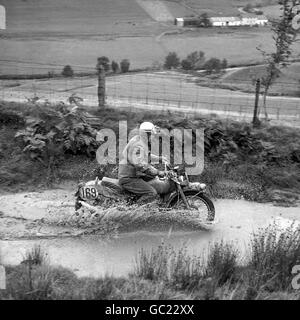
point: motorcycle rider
(134, 168)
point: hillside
(106, 16)
(72, 16)
(44, 36)
(286, 84)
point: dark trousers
(139, 187)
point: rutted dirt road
(36, 217)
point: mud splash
(51, 214)
(40, 218)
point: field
(45, 35)
(72, 16)
(216, 7)
(286, 84)
(160, 91)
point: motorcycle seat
(112, 184)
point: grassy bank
(259, 164)
(166, 273)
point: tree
(224, 64)
(204, 20)
(186, 64)
(125, 65)
(171, 61)
(193, 61)
(213, 65)
(67, 71)
(248, 8)
(115, 67)
(104, 61)
(283, 35)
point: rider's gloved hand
(161, 174)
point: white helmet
(149, 127)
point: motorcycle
(175, 191)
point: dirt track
(23, 215)
(46, 214)
(40, 218)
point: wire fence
(189, 94)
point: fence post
(255, 120)
(101, 86)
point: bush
(104, 62)
(35, 256)
(115, 67)
(213, 65)
(193, 61)
(48, 136)
(186, 64)
(125, 65)
(248, 8)
(67, 71)
(8, 117)
(171, 61)
(273, 253)
(166, 273)
(26, 282)
(224, 64)
(221, 262)
(259, 12)
(204, 20)
(56, 283)
(176, 268)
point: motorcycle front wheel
(201, 207)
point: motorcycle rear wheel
(201, 206)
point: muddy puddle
(94, 255)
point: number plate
(88, 193)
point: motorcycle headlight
(202, 186)
(197, 186)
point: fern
(52, 133)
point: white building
(254, 21)
(179, 22)
(187, 22)
(236, 21)
(2, 18)
(225, 21)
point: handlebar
(167, 166)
